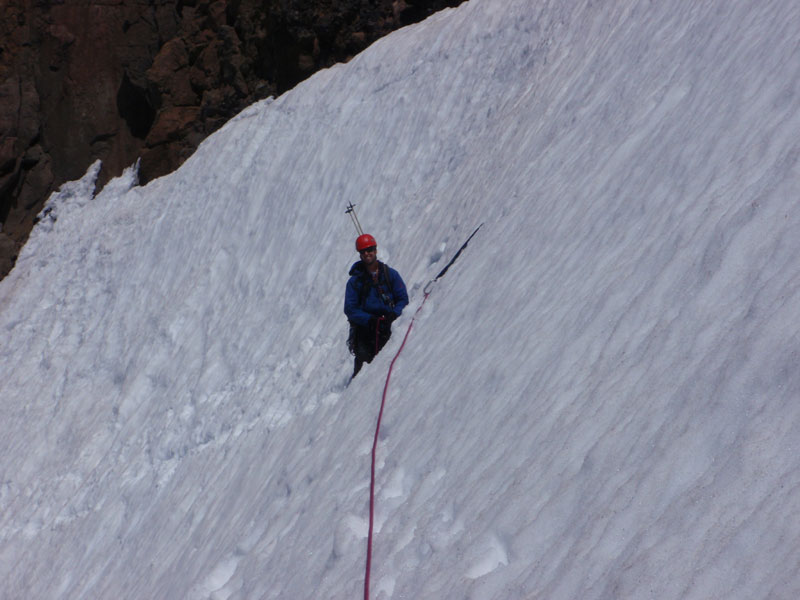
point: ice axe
(351, 210)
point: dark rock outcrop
(123, 79)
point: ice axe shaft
(351, 210)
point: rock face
(125, 79)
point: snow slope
(601, 399)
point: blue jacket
(379, 297)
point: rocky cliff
(125, 79)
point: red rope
(374, 452)
(378, 334)
(426, 292)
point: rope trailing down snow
(427, 292)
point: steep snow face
(599, 399)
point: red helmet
(365, 241)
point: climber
(375, 296)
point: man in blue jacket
(375, 296)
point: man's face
(369, 255)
